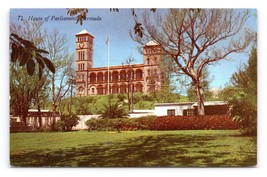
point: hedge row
(209, 122)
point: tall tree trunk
(39, 116)
(200, 100)
(71, 88)
(24, 118)
(24, 113)
(129, 99)
(39, 110)
(53, 103)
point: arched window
(115, 76)
(99, 77)
(92, 78)
(123, 75)
(106, 76)
(80, 91)
(139, 74)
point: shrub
(68, 121)
(209, 122)
(117, 123)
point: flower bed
(208, 122)
(212, 122)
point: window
(82, 55)
(93, 90)
(156, 60)
(171, 112)
(148, 72)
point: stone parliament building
(144, 78)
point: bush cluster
(208, 122)
(67, 122)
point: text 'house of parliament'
(144, 78)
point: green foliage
(92, 124)
(213, 122)
(24, 51)
(68, 121)
(121, 97)
(113, 110)
(96, 104)
(144, 105)
(117, 124)
(24, 90)
(166, 96)
(83, 105)
(106, 124)
(242, 95)
(78, 13)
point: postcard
(133, 87)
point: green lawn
(133, 149)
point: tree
(129, 77)
(25, 92)
(63, 61)
(113, 109)
(205, 80)
(242, 95)
(25, 51)
(168, 75)
(83, 104)
(68, 121)
(195, 38)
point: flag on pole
(107, 41)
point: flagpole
(108, 63)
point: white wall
(161, 109)
(83, 118)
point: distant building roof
(152, 43)
(36, 110)
(84, 32)
(213, 103)
(173, 104)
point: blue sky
(118, 26)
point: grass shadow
(144, 151)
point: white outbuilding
(172, 109)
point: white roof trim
(213, 103)
(36, 110)
(84, 32)
(173, 104)
(152, 43)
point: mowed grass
(196, 148)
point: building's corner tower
(153, 54)
(84, 60)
